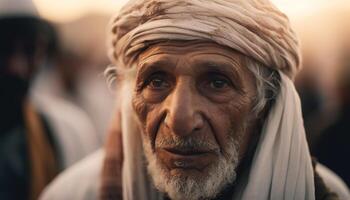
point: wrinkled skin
(194, 90)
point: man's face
(194, 102)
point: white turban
(253, 27)
(281, 167)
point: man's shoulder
(333, 182)
(79, 182)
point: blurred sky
(67, 10)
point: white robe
(72, 129)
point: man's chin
(188, 173)
(185, 179)
(178, 183)
(191, 183)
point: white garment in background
(72, 129)
(79, 182)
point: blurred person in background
(82, 68)
(28, 152)
(74, 81)
(52, 92)
(41, 133)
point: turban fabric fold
(281, 167)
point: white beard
(219, 174)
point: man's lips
(186, 152)
(185, 159)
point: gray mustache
(189, 143)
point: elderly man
(207, 110)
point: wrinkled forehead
(190, 50)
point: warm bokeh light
(302, 7)
(68, 10)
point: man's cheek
(227, 121)
(153, 122)
(140, 107)
(149, 116)
(238, 109)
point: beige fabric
(253, 27)
(281, 167)
(43, 164)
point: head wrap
(281, 167)
(255, 28)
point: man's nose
(184, 114)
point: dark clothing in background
(311, 104)
(26, 34)
(15, 171)
(14, 164)
(333, 149)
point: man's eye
(158, 83)
(219, 84)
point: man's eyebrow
(217, 66)
(227, 68)
(150, 66)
